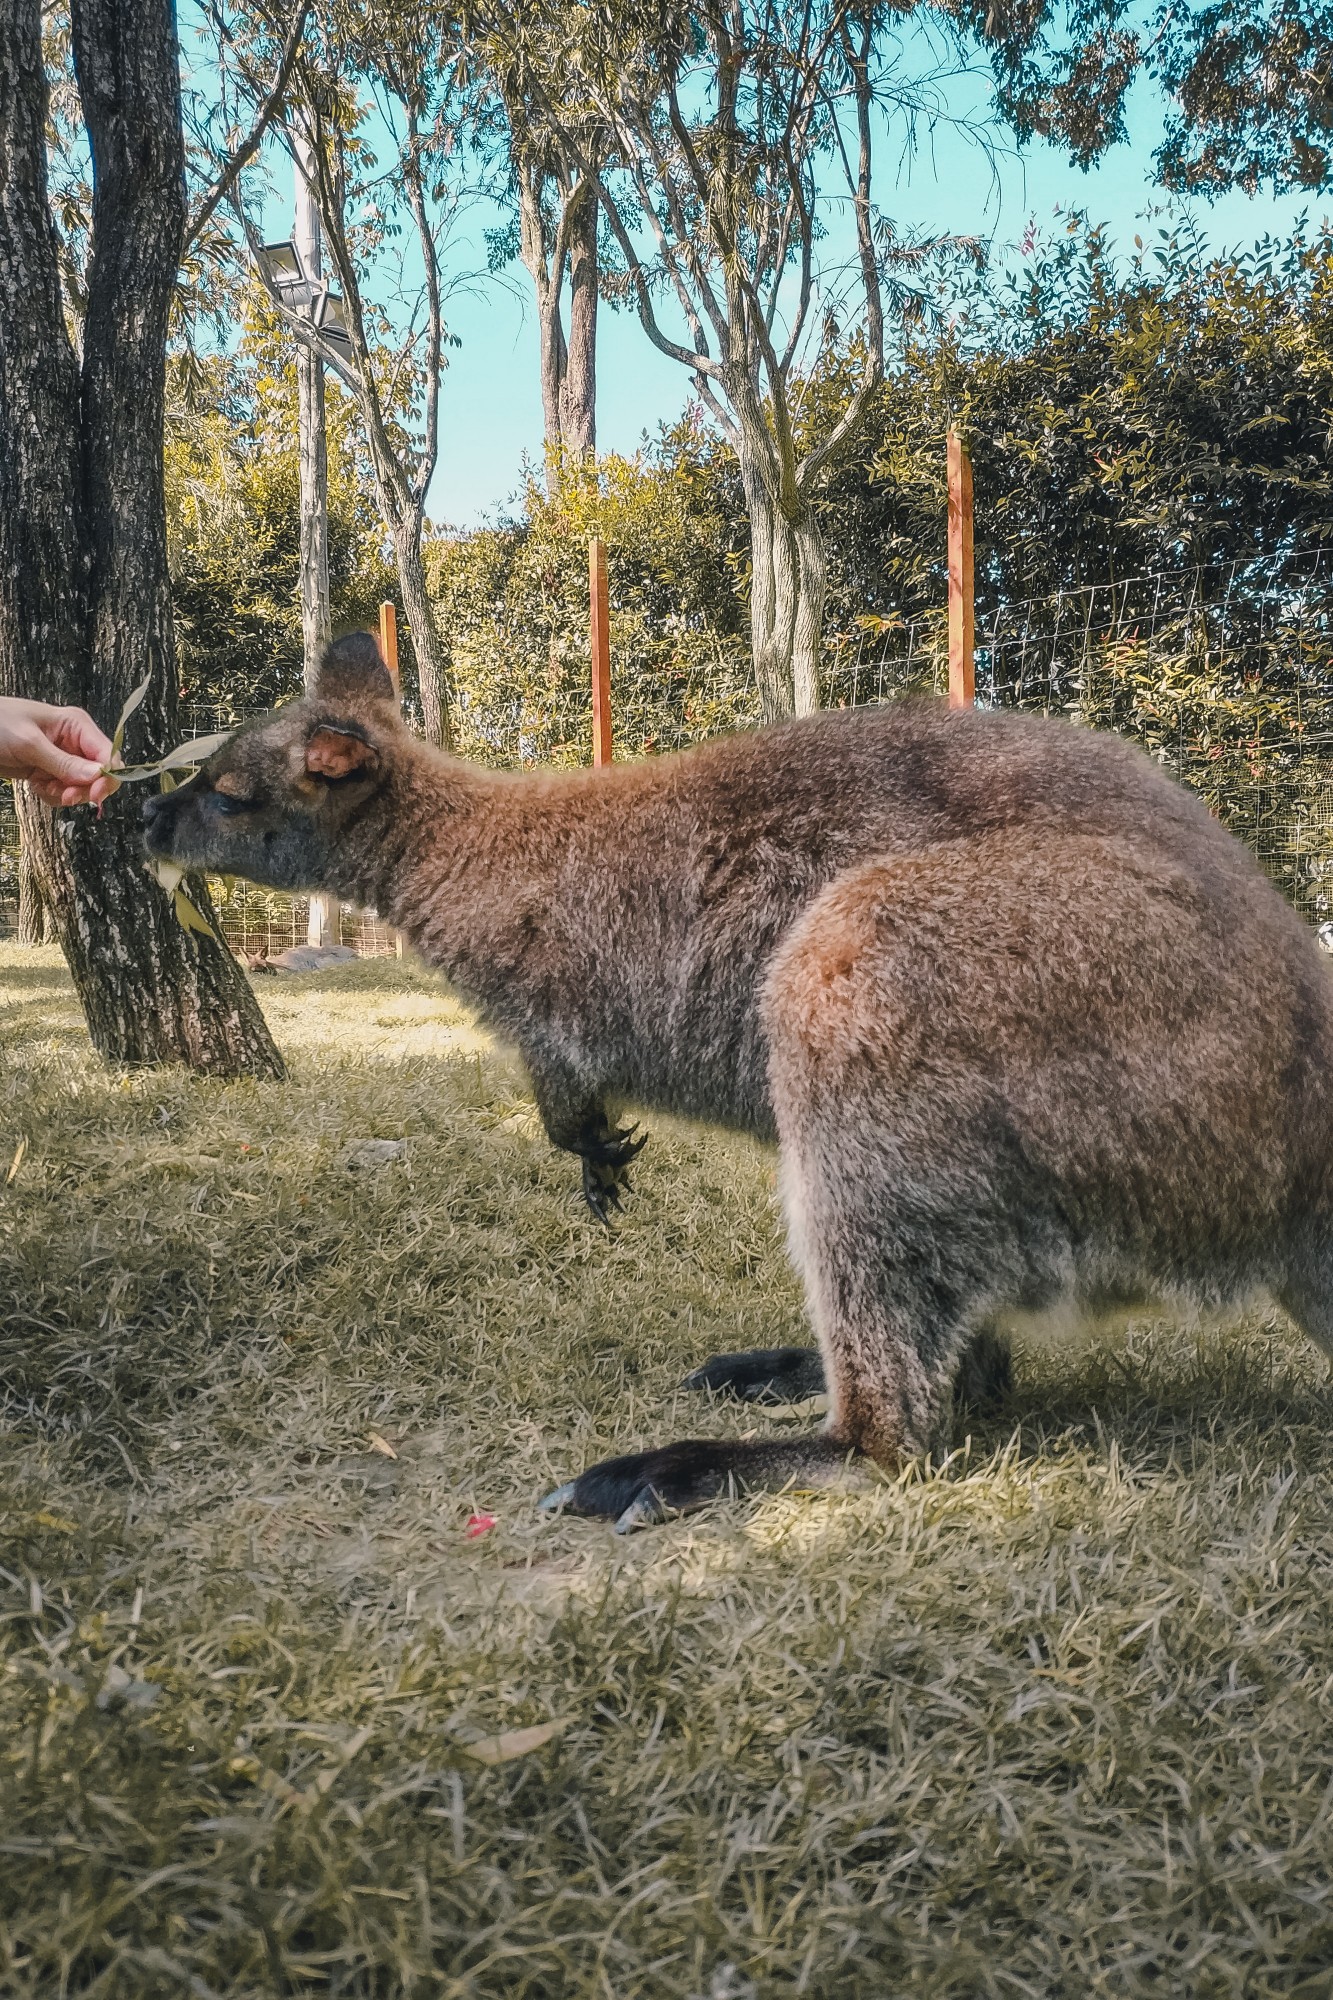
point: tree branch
(873, 372)
(250, 145)
(435, 330)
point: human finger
(78, 733)
(65, 765)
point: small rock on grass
(122, 1690)
(361, 1154)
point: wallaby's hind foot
(795, 1374)
(646, 1487)
(762, 1375)
(985, 1373)
(1309, 1301)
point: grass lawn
(1053, 1719)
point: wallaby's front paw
(645, 1487)
(762, 1375)
(606, 1156)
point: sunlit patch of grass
(1050, 1718)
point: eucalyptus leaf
(169, 873)
(188, 914)
(195, 750)
(128, 711)
(190, 918)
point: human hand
(60, 752)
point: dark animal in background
(1033, 1034)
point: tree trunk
(788, 580)
(84, 606)
(807, 618)
(432, 662)
(578, 389)
(568, 365)
(402, 506)
(36, 925)
(316, 630)
(550, 332)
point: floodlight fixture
(331, 320)
(281, 264)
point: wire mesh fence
(264, 923)
(1225, 674)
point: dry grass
(1053, 1721)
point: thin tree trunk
(316, 630)
(84, 607)
(403, 514)
(788, 572)
(568, 364)
(432, 662)
(402, 507)
(578, 390)
(787, 589)
(35, 924)
(807, 616)
(550, 333)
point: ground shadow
(1257, 1381)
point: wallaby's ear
(353, 671)
(331, 752)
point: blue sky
(491, 406)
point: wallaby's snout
(157, 816)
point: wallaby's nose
(153, 805)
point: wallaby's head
(274, 801)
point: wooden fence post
(389, 644)
(962, 630)
(599, 634)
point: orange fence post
(389, 643)
(962, 630)
(599, 633)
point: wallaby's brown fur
(1031, 1031)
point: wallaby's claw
(600, 1191)
(606, 1159)
(645, 1510)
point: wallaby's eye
(228, 805)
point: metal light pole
(295, 273)
(316, 627)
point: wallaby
(1032, 1032)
